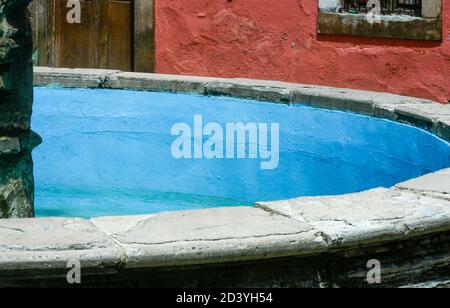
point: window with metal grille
(388, 7)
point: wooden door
(113, 34)
(116, 39)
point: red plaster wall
(276, 39)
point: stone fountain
(16, 99)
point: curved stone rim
(299, 227)
(423, 113)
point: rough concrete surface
(376, 215)
(50, 243)
(218, 235)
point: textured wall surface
(16, 97)
(277, 39)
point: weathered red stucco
(276, 39)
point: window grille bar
(388, 7)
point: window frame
(428, 26)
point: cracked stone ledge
(209, 236)
(299, 227)
(72, 78)
(409, 210)
(48, 244)
(423, 113)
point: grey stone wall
(16, 98)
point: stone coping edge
(305, 226)
(422, 113)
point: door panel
(76, 45)
(116, 36)
(102, 40)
